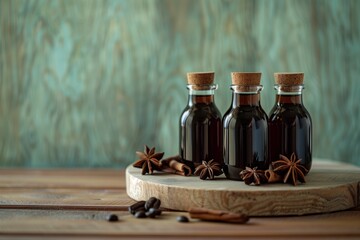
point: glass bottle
(200, 122)
(245, 130)
(290, 127)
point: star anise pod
(290, 169)
(149, 160)
(253, 175)
(208, 169)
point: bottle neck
(245, 95)
(239, 99)
(193, 99)
(201, 93)
(291, 99)
(289, 94)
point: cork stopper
(289, 78)
(246, 78)
(200, 78)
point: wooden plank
(61, 214)
(105, 199)
(62, 178)
(93, 224)
(330, 187)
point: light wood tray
(330, 187)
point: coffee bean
(140, 214)
(143, 209)
(158, 211)
(112, 218)
(157, 203)
(182, 219)
(150, 203)
(136, 206)
(152, 212)
(132, 211)
(140, 209)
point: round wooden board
(329, 187)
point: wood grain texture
(87, 83)
(63, 189)
(329, 188)
(25, 198)
(54, 211)
(60, 178)
(93, 223)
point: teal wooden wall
(87, 83)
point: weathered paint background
(87, 83)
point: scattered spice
(138, 206)
(149, 208)
(290, 169)
(153, 212)
(149, 160)
(208, 170)
(182, 219)
(112, 218)
(153, 202)
(140, 214)
(273, 177)
(138, 210)
(218, 215)
(175, 165)
(253, 175)
(283, 170)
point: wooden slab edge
(336, 190)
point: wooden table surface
(59, 204)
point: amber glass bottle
(290, 127)
(200, 122)
(245, 131)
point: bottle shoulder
(289, 111)
(244, 114)
(246, 111)
(200, 112)
(203, 107)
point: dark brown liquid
(245, 136)
(290, 130)
(201, 131)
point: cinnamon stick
(217, 215)
(174, 165)
(272, 176)
(168, 159)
